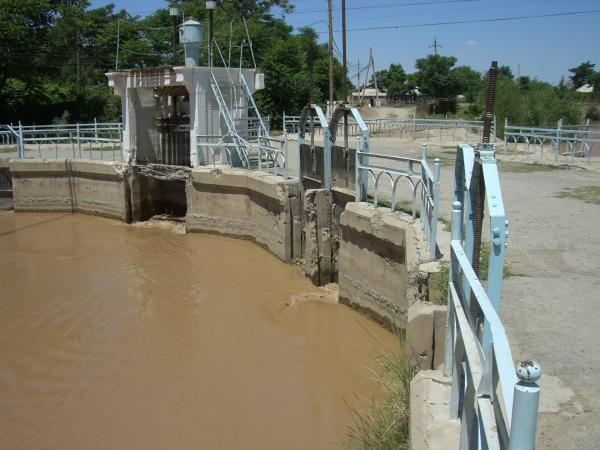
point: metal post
(285, 151)
(326, 159)
(423, 152)
(505, 140)
(95, 129)
(456, 235)
(525, 406)
(558, 127)
(357, 188)
(78, 141)
(435, 212)
(330, 51)
(20, 146)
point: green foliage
(54, 68)
(434, 76)
(385, 425)
(582, 74)
(393, 80)
(468, 82)
(532, 102)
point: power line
(393, 5)
(458, 22)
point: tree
(468, 82)
(434, 76)
(582, 74)
(393, 80)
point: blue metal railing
(416, 172)
(570, 141)
(413, 126)
(497, 407)
(71, 139)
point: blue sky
(544, 48)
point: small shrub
(385, 425)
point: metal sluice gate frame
(419, 175)
(496, 403)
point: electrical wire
(460, 22)
(393, 5)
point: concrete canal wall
(91, 187)
(237, 202)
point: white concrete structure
(165, 110)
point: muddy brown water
(136, 337)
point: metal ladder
(240, 144)
(252, 105)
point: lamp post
(174, 13)
(210, 5)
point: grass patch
(441, 280)
(8, 150)
(440, 284)
(587, 194)
(404, 206)
(519, 167)
(385, 425)
(447, 223)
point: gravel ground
(549, 309)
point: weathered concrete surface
(246, 204)
(322, 232)
(378, 249)
(430, 424)
(6, 196)
(425, 335)
(64, 185)
(318, 238)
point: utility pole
(344, 65)
(210, 5)
(435, 46)
(330, 20)
(173, 12)
(358, 78)
(345, 81)
(118, 43)
(374, 77)
(78, 61)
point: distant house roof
(369, 92)
(585, 89)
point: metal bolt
(528, 371)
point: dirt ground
(550, 307)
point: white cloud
(471, 43)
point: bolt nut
(528, 371)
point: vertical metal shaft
(210, 38)
(479, 200)
(174, 37)
(345, 82)
(330, 45)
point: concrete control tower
(181, 116)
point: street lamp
(210, 5)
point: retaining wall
(64, 185)
(379, 252)
(237, 202)
(6, 195)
